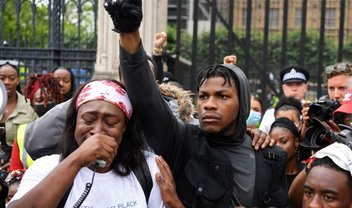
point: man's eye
(202, 97)
(223, 97)
(329, 198)
(308, 193)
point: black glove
(125, 14)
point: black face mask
(41, 109)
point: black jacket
(208, 171)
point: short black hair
(329, 163)
(216, 71)
(289, 103)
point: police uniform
(287, 74)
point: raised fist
(125, 14)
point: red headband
(35, 87)
(108, 91)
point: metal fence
(44, 34)
(276, 16)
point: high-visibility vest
(24, 156)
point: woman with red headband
(103, 159)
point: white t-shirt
(108, 190)
(268, 119)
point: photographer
(321, 135)
(338, 79)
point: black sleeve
(163, 132)
(159, 66)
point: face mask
(253, 118)
(41, 109)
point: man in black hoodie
(214, 165)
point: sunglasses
(341, 67)
(10, 62)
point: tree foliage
(274, 55)
(34, 23)
(26, 21)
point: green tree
(256, 50)
(25, 23)
(41, 21)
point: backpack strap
(144, 177)
(270, 182)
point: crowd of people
(40, 93)
(122, 143)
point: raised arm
(157, 121)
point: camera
(319, 136)
(322, 109)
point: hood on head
(244, 93)
(242, 85)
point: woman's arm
(61, 177)
(57, 181)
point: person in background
(294, 84)
(338, 79)
(329, 178)
(13, 180)
(17, 110)
(51, 125)
(101, 126)
(297, 191)
(286, 135)
(290, 108)
(180, 102)
(230, 59)
(255, 114)
(67, 81)
(345, 110)
(159, 42)
(43, 93)
(222, 173)
(271, 97)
